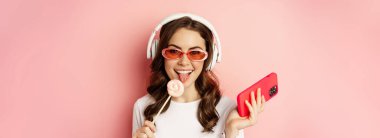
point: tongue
(183, 77)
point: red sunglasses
(193, 55)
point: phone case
(269, 88)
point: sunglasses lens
(194, 55)
(172, 53)
(197, 55)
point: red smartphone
(268, 86)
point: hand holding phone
(268, 86)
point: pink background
(73, 69)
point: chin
(188, 83)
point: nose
(184, 60)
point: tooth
(184, 72)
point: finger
(263, 99)
(252, 115)
(249, 106)
(140, 130)
(262, 104)
(259, 98)
(253, 101)
(142, 135)
(148, 132)
(150, 125)
(252, 111)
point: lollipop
(175, 89)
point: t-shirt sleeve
(231, 105)
(241, 134)
(137, 117)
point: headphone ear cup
(213, 58)
(209, 67)
(215, 55)
(154, 48)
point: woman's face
(183, 69)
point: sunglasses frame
(183, 53)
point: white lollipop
(175, 89)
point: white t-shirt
(180, 120)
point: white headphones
(154, 38)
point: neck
(190, 94)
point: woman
(185, 52)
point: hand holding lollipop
(175, 89)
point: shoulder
(143, 102)
(226, 102)
(138, 111)
(225, 105)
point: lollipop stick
(159, 112)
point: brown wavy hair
(206, 84)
